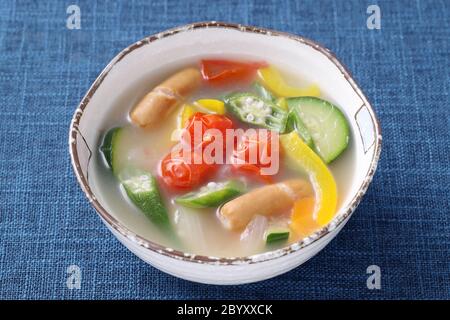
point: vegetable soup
(226, 158)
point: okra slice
(254, 110)
(264, 93)
(142, 189)
(212, 195)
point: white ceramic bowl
(173, 48)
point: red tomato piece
(205, 122)
(179, 172)
(255, 149)
(253, 153)
(222, 72)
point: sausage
(267, 201)
(159, 102)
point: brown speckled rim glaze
(169, 252)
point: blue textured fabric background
(402, 225)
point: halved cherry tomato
(206, 121)
(222, 72)
(178, 172)
(256, 146)
(252, 153)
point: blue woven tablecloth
(402, 225)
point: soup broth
(201, 230)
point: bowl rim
(337, 221)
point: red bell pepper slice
(222, 72)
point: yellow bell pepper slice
(273, 80)
(320, 176)
(212, 105)
(187, 111)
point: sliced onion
(252, 238)
(191, 229)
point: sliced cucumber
(211, 195)
(142, 189)
(264, 93)
(294, 122)
(274, 235)
(252, 109)
(327, 125)
(109, 147)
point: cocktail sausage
(268, 200)
(159, 102)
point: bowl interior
(135, 70)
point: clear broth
(199, 229)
